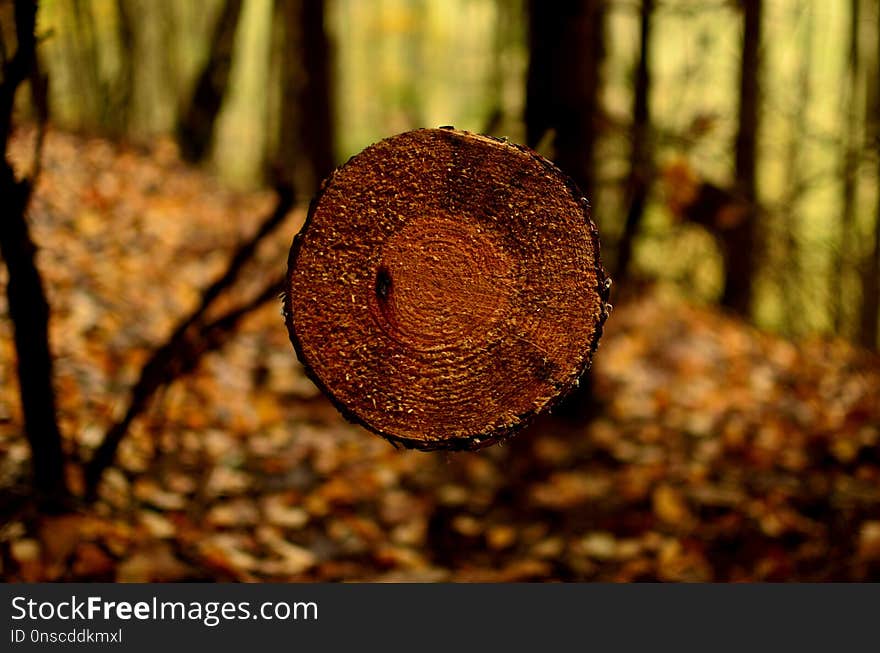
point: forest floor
(717, 453)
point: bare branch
(192, 338)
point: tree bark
(28, 307)
(742, 259)
(566, 49)
(849, 170)
(640, 159)
(195, 128)
(446, 288)
(306, 141)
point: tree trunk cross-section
(446, 288)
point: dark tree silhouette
(28, 308)
(195, 128)
(640, 158)
(566, 48)
(123, 96)
(195, 335)
(305, 143)
(849, 168)
(740, 259)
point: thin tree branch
(641, 156)
(192, 338)
(243, 254)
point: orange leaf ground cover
(718, 452)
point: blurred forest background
(163, 154)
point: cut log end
(446, 288)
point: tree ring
(446, 288)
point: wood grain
(446, 288)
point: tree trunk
(446, 288)
(566, 48)
(849, 171)
(123, 88)
(289, 156)
(741, 259)
(28, 308)
(871, 274)
(195, 128)
(640, 159)
(305, 141)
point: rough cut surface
(446, 288)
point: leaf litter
(718, 452)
